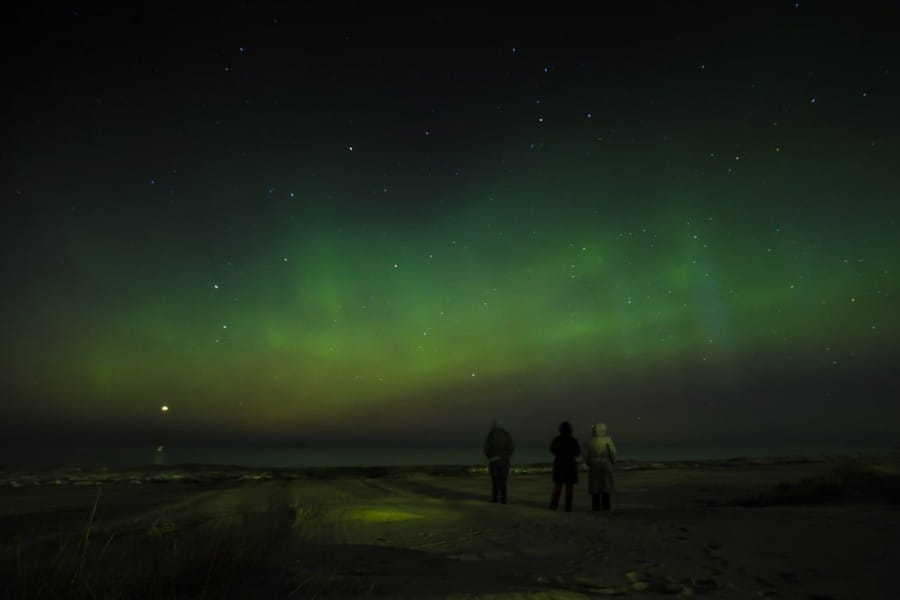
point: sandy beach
(790, 528)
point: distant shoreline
(210, 473)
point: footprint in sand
(643, 581)
(582, 585)
(639, 576)
(704, 584)
(468, 557)
(789, 577)
(765, 582)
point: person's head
(599, 429)
(565, 429)
(496, 424)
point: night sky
(288, 225)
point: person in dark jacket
(565, 449)
(498, 448)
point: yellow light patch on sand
(383, 515)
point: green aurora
(718, 261)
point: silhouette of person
(565, 449)
(498, 448)
(599, 456)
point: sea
(114, 457)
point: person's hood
(599, 429)
(496, 424)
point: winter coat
(565, 449)
(498, 444)
(599, 456)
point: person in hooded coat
(498, 448)
(565, 450)
(599, 456)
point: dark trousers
(596, 501)
(554, 499)
(499, 475)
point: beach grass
(850, 482)
(167, 559)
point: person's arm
(487, 446)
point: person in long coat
(599, 456)
(498, 448)
(565, 450)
